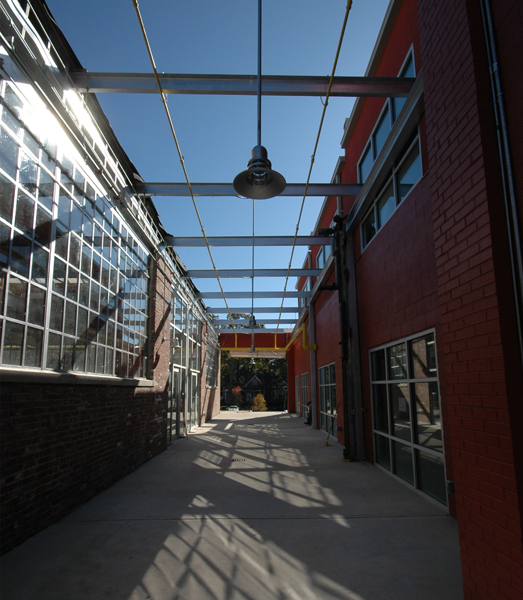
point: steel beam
(226, 189)
(209, 273)
(242, 295)
(267, 240)
(258, 321)
(240, 85)
(257, 310)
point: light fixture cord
(252, 278)
(259, 70)
(182, 160)
(342, 34)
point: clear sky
(217, 133)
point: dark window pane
(7, 194)
(403, 462)
(62, 238)
(95, 300)
(109, 361)
(96, 267)
(68, 354)
(16, 298)
(86, 259)
(428, 418)
(100, 359)
(83, 324)
(59, 272)
(76, 218)
(91, 358)
(75, 251)
(33, 348)
(5, 233)
(431, 476)
(45, 189)
(43, 227)
(13, 340)
(70, 318)
(80, 352)
(423, 357)
(378, 366)
(397, 362)
(400, 405)
(28, 173)
(36, 305)
(3, 277)
(8, 154)
(53, 351)
(57, 313)
(379, 397)
(382, 451)
(72, 284)
(31, 143)
(25, 207)
(410, 172)
(83, 298)
(10, 120)
(40, 261)
(64, 208)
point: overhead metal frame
(248, 273)
(227, 189)
(239, 85)
(259, 241)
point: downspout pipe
(509, 188)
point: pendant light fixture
(259, 181)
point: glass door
(173, 406)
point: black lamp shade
(259, 181)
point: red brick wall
(483, 375)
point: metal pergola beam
(239, 85)
(227, 189)
(258, 321)
(261, 240)
(243, 295)
(242, 273)
(257, 309)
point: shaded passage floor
(252, 506)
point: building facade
(422, 290)
(106, 352)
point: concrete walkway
(252, 506)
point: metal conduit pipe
(509, 191)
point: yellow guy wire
(349, 5)
(182, 161)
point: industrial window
(327, 389)
(388, 116)
(297, 394)
(403, 178)
(322, 256)
(303, 302)
(406, 413)
(73, 278)
(304, 391)
(212, 355)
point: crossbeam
(239, 85)
(267, 240)
(227, 273)
(227, 189)
(243, 295)
(258, 321)
(257, 310)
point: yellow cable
(182, 161)
(349, 5)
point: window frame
(395, 436)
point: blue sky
(217, 133)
